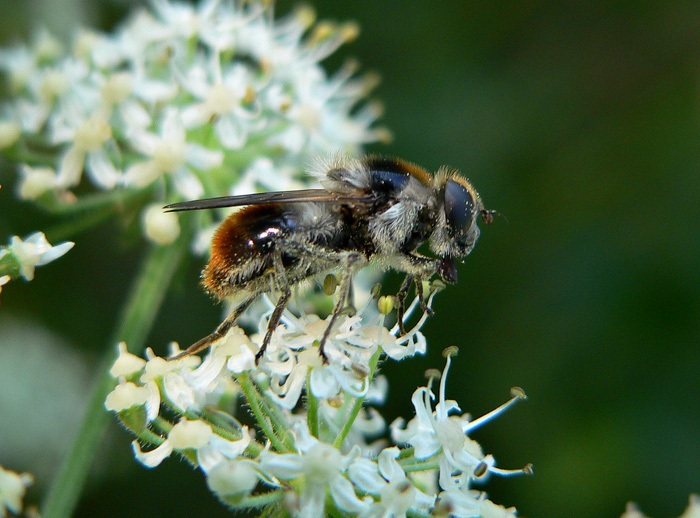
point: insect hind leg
(281, 280)
(273, 322)
(220, 331)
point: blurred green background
(579, 121)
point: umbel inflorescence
(183, 102)
(316, 427)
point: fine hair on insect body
(368, 210)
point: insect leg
(423, 304)
(281, 279)
(401, 299)
(220, 331)
(340, 303)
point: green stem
(252, 398)
(110, 201)
(358, 403)
(90, 211)
(312, 407)
(139, 313)
(256, 501)
(278, 419)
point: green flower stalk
(184, 102)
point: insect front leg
(345, 283)
(283, 284)
(220, 331)
(417, 267)
(421, 298)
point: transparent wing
(304, 195)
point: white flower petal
(124, 396)
(189, 434)
(101, 169)
(178, 391)
(282, 465)
(388, 466)
(13, 486)
(243, 361)
(231, 449)
(231, 132)
(71, 168)
(172, 129)
(152, 458)
(126, 363)
(195, 115)
(141, 174)
(135, 117)
(203, 158)
(153, 400)
(54, 252)
(365, 475)
(232, 478)
(287, 395)
(323, 383)
(207, 372)
(187, 184)
(36, 181)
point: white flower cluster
(312, 433)
(186, 101)
(21, 257)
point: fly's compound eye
(459, 207)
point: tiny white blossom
(126, 363)
(126, 395)
(157, 367)
(87, 148)
(232, 477)
(170, 153)
(13, 486)
(185, 434)
(10, 132)
(159, 226)
(397, 494)
(36, 181)
(227, 100)
(322, 466)
(4, 279)
(35, 251)
(433, 432)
